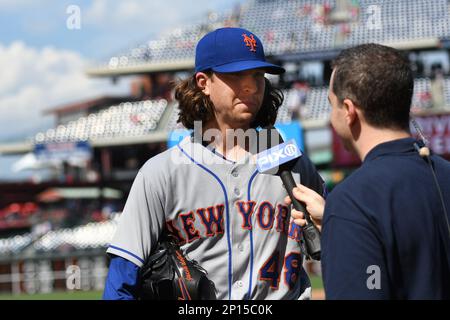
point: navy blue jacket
(384, 231)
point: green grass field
(316, 283)
(74, 295)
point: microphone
(279, 160)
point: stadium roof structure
(16, 148)
(57, 194)
(142, 68)
(330, 54)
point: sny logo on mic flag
(276, 156)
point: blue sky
(43, 61)
(106, 25)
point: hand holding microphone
(279, 159)
(314, 205)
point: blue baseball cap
(232, 50)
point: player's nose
(249, 84)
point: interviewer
(385, 230)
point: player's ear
(351, 114)
(203, 82)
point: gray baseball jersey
(228, 217)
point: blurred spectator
(317, 14)
(342, 34)
(163, 86)
(137, 89)
(92, 175)
(132, 163)
(97, 216)
(142, 87)
(425, 101)
(304, 11)
(28, 209)
(293, 41)
(326, 10)
(236, 13)
(416, 64)
(297, 100)
(108, 210)
(306, 35)
(354, 10)
(437, 86)
(269, 36)
(40, 229)
(146, 53)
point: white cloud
(34, 80)
(113, 14)
(159, 14)
(15, 4)
(97, 12)
(129, 9)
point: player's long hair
(196, 106)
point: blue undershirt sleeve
(122, 282)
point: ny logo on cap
(250, 42)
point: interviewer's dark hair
(379, 81)
(196, 106)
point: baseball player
(226, 216)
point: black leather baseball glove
(169, 275)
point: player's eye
(259, 75)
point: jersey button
(237, 192)
(241, 248)
(235, 174)
(239, 283)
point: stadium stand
(317, 107)
(293, 26)
(89, 236)
(93, 235)
(143, 117)
(139, 118)
(15, 244)
(125, 119)
(177, 44)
